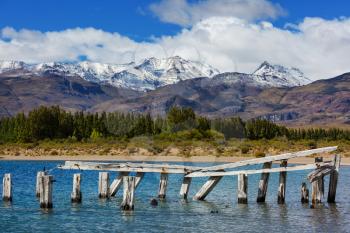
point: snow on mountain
(152, 73)
(280, 76)
(148, 75)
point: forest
(182, 123)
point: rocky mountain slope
(153, 73)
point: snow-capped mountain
(280, 76)
(153, 73)
(148, 75)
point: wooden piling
(38, 183)
(242, 191)
(185, 187)
(317, 185)
(263, 183)
(333, 180)
(103, 185)
(46, 192)
(207, 188)
(128, 193)
(282, 184)
(304, 193)
(116, 184)
(316, 194)
(7, 187)
(76, 193)
(163, 185)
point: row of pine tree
(56, 123)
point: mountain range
(273, 92)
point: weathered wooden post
(317, 186)
(304, 193)
(38, 183)
(76, 193)
(163, 183)
(117, 182)
(128, 193)
(242, 191)
(333, 179)
(207, 188)
(103, 185)
(46, 192)
(7, 187)
(282, 184)
(185, 187)
(263, 183)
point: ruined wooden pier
(319, 168)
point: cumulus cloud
(183, 13)
(317, 46)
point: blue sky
(133, 18)
(230, 35)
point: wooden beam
(242, 190)
(116, 184)
(139, 176)
(103, 185)
(7, 187)
(282, 184)
(76, 193)
(207, 188)
(46, 192)
(128, 193)
(185, 187)
(163, 183)
(250, 172)
(333, 179)
(270, 158)
(176, 169)
(263, 183)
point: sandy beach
(155, 158)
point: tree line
(56, 123)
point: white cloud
(183, 13)
(317, 46)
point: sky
(231, 35)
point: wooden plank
(333, 179)
(163, 183)
(250, 172)
(304, 193)
(317, 180)
(317, 193)
(103, 185)
(139, 176)
(270, 158)
(76, 192)
(242, 190)
(7, 188)
(38, 183)
(116, 184)
(263, 183)
(122, 168)
(128, 193)
(46, 192)
(185, 187)
(207, 188)
(282, 184)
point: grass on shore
(159, 146)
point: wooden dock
(106, 189)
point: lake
(219, 213)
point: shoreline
(154, 158)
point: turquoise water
(172, 215)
